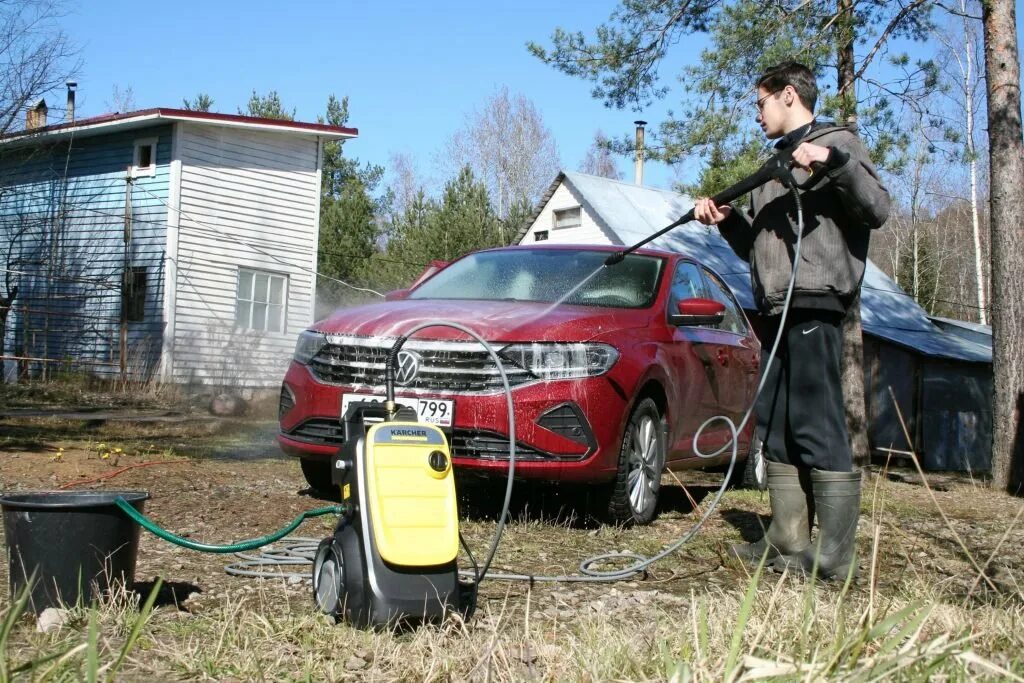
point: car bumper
(567, 430)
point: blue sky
(412, 70)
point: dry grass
(938, 598)
(920, 613)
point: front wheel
(634, 495)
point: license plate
(434, 411)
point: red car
(612, 369)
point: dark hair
(777, 77)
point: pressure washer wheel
(329, 578)
(318, 474)
(634, 495)
(340, 584)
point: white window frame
(537, 236)
(244, 320)
(559, 212)
(143, 171)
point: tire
(750, 474)
(318, 475)
(634, 494)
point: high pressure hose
(240, 546)
(301, 550)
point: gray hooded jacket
(839, 214)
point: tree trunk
(1006, 160)
(853, 386)
(853, 341)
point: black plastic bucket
(77, 543)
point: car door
(737, 355)
(693, 358)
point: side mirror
(396, 295)
(698, 311)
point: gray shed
(942, 379)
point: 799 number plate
(433, 411)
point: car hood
(506, 321)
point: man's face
(772, 112)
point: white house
(162, 243)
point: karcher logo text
(420, 433)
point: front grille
(492, 446)
(448, 367)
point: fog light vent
(567, 420)
(286, 403)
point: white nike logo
(810, 330)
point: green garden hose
(241, 546)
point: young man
(800, 413)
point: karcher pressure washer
(392, 557)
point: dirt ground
(224, 480)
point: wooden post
(125, 275)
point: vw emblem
(408, 367)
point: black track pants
(800, 414)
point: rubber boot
(789, 531)
(837, 502)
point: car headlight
(562, 361)
(308, 345)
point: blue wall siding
(62, 225)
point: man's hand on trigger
(707, 213)
(808, 153)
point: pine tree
(201, 102)
(267, 107)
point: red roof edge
(186, 114)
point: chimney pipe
(639, 172)
(70, 115)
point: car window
(686, 284)
(719, 291)
(577, 277)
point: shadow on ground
(751, 525)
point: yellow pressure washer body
(392, 558)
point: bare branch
(893, 24)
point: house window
(540, 235)
(144, 161)
(259, 304)
(133, 296)
(568, 218)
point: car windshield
(547, 275)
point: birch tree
(960, 66)
(507, 145)
(599, 159)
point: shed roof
(630, 212)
